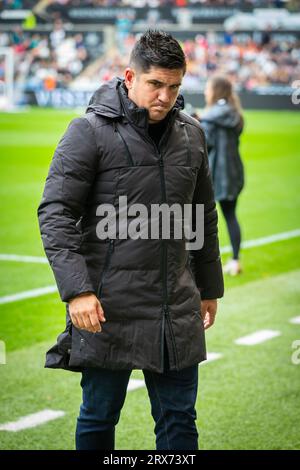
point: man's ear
(130, 76)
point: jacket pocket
(109, 253)
(188, 145)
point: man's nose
(164, 95)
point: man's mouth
(158, 106)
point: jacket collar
(111, 100)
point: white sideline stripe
(295, 320)
(225, 249)
(24, 259)
(39, 259)
(134, 384)
(212, 356)
(257, 337)
(28, 294)
(264, 240)
(31, 421)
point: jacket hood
(105, 100)
(111, 100)
(224, 115)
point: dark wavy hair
(157, 49)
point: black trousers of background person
(233, 226)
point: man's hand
(86, 312)
(208, 312)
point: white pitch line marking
(39, 259)
(28, 294)
(31, 421)
(134, 384)
(264, 240)
(257, 337)
(24, 259)
(211, 356)
(225, 249)
(295, 320)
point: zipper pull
(161, 162)
(111, 245)
(166, 310)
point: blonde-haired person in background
(223, 122)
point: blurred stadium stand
(63, 49)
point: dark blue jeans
(172, 395)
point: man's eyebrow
(162, 83)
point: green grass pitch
(249, 398)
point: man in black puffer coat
(133, 302)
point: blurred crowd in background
(56, 59)
(142, 3)
(61, 57)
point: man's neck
(156, 129)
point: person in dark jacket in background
(133, 303)
(223, 122)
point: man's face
(155, 90)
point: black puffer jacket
(223, 125)
(146, 287)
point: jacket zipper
(167, 318)
(109, 252)
(164, 265)
(128, 154)
(165, 307)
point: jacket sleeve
(67, 186)
(206, 262)
(210, 132)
